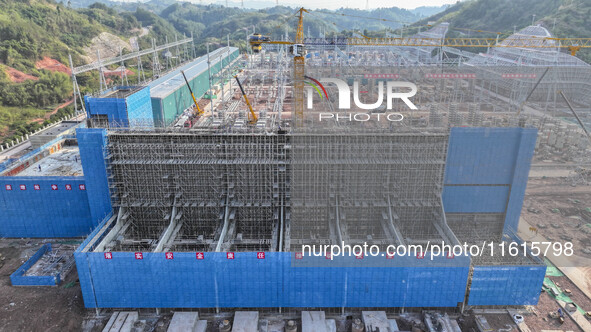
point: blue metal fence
(18, 278)
(123, 281)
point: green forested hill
(36, 28)
(31, 30)
(215, 22)
(573, 18)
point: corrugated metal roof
(168, 83)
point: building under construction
(215, 214)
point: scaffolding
(226, 186)
(377, 188)
(196, 192)
(186, 191)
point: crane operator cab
(297, 50)
(256, 40)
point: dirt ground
(18, 76)
(498, 322)
(542, 321)
(570, 222)
(52, 65)
(559, 213)
(576, 296)
(37, 308)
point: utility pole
(209, 75)
(228, 70)
(73, 82)
(193, 45)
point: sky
(335, 4)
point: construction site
(197, 191)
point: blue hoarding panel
(481, 155)
(132, 110)
(519, 180)
(114, 108)
(139, 109)
(246, 281)
(91, 142)
(506, 285)
(475, 199)
(44, 206)
(479, 159)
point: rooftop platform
(168, 83)
(61, 129)
(65, 162)
(122, 92)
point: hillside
(214, 22)
(573, 18)
(37, 36)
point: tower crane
(297, 50)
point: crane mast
(299, 72)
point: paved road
(15, 151)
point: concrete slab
(65, 162)
(121, 321)
(375, 321)
(201, 326)
(129, 322)
(393, 325)
(246, 321)
(482, 323)
(331, 325)
(111, 321)
(313, 321)
(183, 322)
